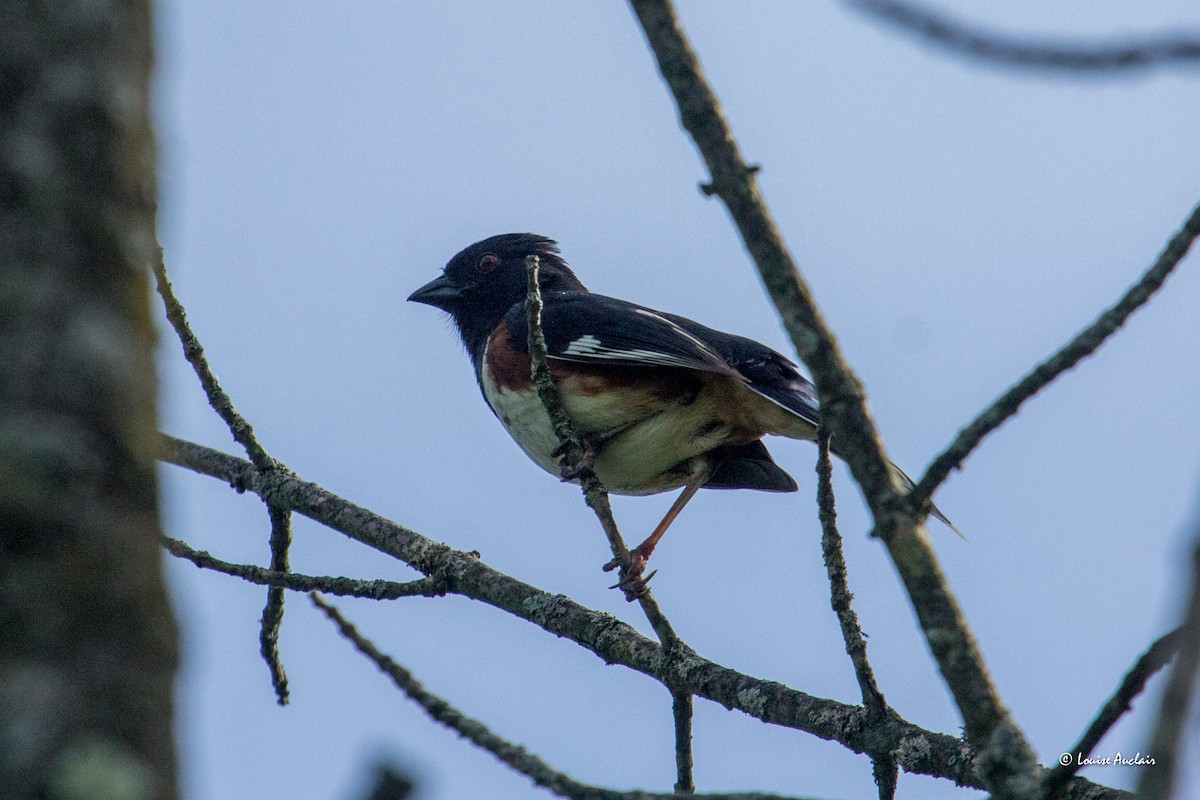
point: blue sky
(957, 222)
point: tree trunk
(87, 638)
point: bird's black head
(481, 283)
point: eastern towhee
(664, 402)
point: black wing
(594, 329)
(767, 372)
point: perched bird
(663, 402)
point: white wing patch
(589, 346)
(583, 346)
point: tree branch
(596, 496)
(193, 351)
(918, 750)
(839, 591)
(479, 735)
(1007, 761)
(843, 404)
(1176, 703)
(960, 37)
(1083, 345)
(344, 587)
(1155, 658)
(272, 615)
(681, 708)
(243, 434)
(884, 769)
(575, 452)
(613, 641)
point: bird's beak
(439, 293)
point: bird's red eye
(488, 262)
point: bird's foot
(632, 582)
(572, 461)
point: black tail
(749, 466)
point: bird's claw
(574, 461)
(634, 587)
(632, 582)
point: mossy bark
(88, 644)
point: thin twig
(843, 403)
(878, 711)
(1175, 706)
(1083, 345)
(479, 735)
(272, 615)
(243, 433)
(964, 39)
(839, 591)
(1007, 761)
(574, 449)
(681, 707)
(1155, 658)
(886, 773)
(918, 751)
(296, 582)
(596, 496)
(593, 490)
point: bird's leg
(641, 554)
(638, 556)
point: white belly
(526, 420)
